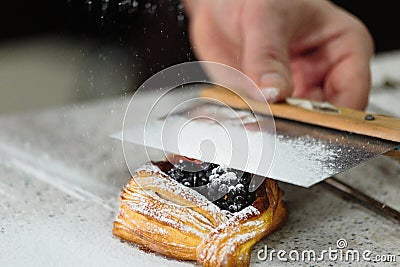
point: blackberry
(212, 193)
(212, 166)
(176, 174)
(215, 182)
(245, 179)
(233, 208)
(240, 190)
(251, 197)
(223, 188)
(187, 183)
(238, 200)
(218, 170)
(232, 191)
(203, 180)
(223, 204)
(218, 180)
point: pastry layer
(164, 216)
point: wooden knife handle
(345, 119)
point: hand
(302, 48)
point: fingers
(348, 82)
(315, 93)
(209, 42)
(261, 35)
(266, 51)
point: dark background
(151, 33)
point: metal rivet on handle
(369, 117)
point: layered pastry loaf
(190, 210)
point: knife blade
(294, 152)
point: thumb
(266, 55)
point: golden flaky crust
(164, 216)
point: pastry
(161, 211)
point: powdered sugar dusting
(147, 209)
(225, 239)
(190, 195)
(238, 217)
(222, 175)
(150, 169)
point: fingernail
(273, 80)
(272, 83)
(270, 93)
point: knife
(311, 141)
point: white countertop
(60, 178)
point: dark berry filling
(225, 187)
